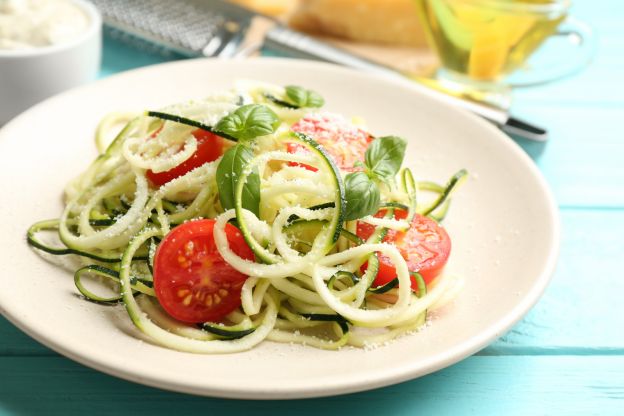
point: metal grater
(189, 27)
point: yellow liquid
(485, 39)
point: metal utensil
(218, 28)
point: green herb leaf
(248, 122)
(279, 102)
(384, 156)
(304, 98)
(229, 171)
(362, 196)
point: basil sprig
(384, 157)
(302, 97)
(248, 122)
(229, 171)
(362, 196)
(382, 161)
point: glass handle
(579, 34)
(576, 52)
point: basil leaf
(248, 122)
(229, 170)
(279, 102)
(362, 196)
(384, 156)
(304, 98)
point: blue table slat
(566, 357)
(594, 87)
(583, 161)
(523, 385)
(581, 311)
(15, 343)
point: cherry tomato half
(193, 283)
(345, 143)
(426, 247)
(209, 149)
(296, 148)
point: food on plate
(253, 215)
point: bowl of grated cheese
(46, 47)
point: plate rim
(438, 361)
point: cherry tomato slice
(345, 142)
(296, 148)
(193, 283)
(426, 247)
(209, 149)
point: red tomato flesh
(193, 283)
(344, 142)
(426, 247)
(209, 149)
(296, 148)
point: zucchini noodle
(306, 282)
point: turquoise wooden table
(565, 357)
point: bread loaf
(385, 21)
(276, 8)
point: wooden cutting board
(321, 18)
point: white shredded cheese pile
(27, 24)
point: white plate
(503, 223)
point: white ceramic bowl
(29, 76)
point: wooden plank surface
(581, 311)
(565, 357)
(521, 385)
(583, 160)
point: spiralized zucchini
(305, 286)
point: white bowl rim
(95, 25)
